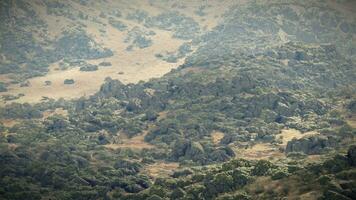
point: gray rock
(315, 144)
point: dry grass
(216, 136)
(57, 111)
(137, 65)
(161, 169)
(352, 121)
(136, 142)
(10, 122)
(271, 151)
(162, 115)
(288, 134)
(260, 151)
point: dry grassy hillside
(127, 66)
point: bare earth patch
(260, 151)
(9, 122)
(161, 169)
(162, 115)
(136, 142)
(216, 136)
(57, 111)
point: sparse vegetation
(89, 68)
(118, 24)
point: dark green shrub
(351, 155)
(262, 168)
(3, 87)
(68, 81)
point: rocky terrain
(167, 99)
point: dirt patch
(10, 122)
(57, 111)
(260, 151)
(162, 115)
(161, 169)
(136, 142)
(216, 136)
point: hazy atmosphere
(175, 99)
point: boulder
(315, 144)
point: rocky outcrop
(315, 144)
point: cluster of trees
(20, 111)
(231, 180)
(78, 45)
(182, 26)
(172, 57)
(89, 68)
(185, 150)
(139, 37)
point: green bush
(68, 81)
(262, 168)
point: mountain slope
(262, 106)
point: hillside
(115, 32)
(165, 99)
